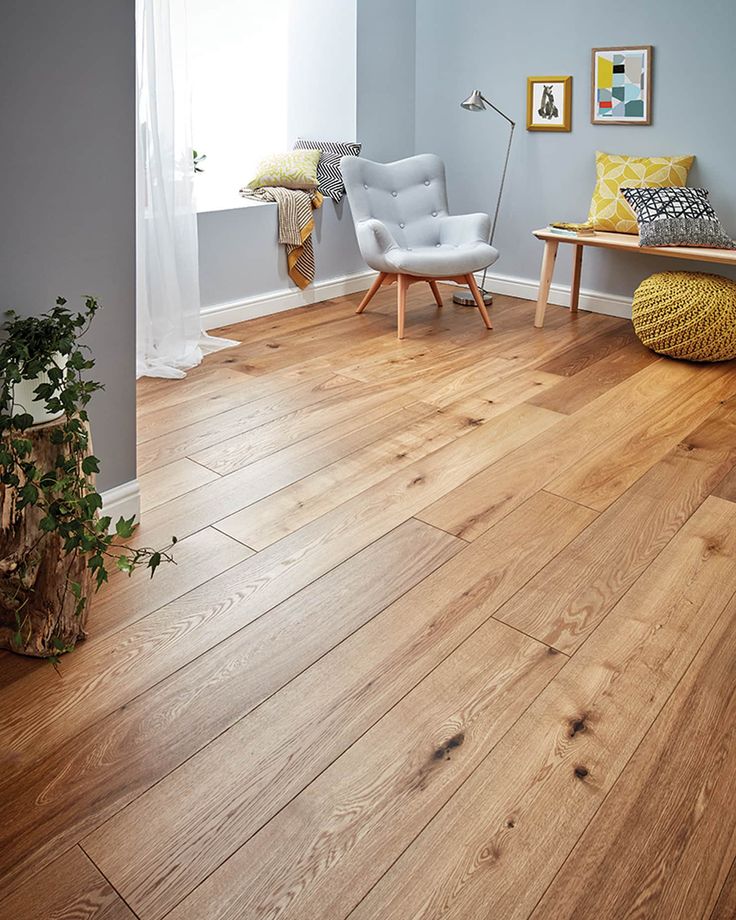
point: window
(239, 74)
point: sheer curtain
(170, 336)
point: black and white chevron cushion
(329, 176)
(676, 217)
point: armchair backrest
(408, 196)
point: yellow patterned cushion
(687, 315)
(295, 169)
(609, 209)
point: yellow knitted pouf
(688, 315)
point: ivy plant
(63, 491)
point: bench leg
(577, 268)
(545, 280)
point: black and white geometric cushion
(329, 177)
(676, 217)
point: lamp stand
(464, 296)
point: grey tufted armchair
(405, 232)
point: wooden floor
(452, 635)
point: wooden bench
(623, 242)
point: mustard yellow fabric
(609, 210)
(688, 315)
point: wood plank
(229, 493)
(323, 852)
(477, 504)
(268, 757)
(727, 487)
(134, 659)
(579, 356)
(659, 845)
(494, 848)
(190, 439)
(725, 908)
(170, 481)
(59, 798)
(285, 511)
(572, 393)
(609, 468)
(562, 605)
(197, 559)
(70, 888)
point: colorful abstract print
(621, 85)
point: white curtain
(170, 336)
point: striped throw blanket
(296, 224)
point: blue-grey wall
(495, 45)
(67, 187)
(386, 78)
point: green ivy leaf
(124, 528)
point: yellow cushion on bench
(688, 315)
(609, 209)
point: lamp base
(464, 296)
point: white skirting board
(237, 311)
(122, 501)
(559, 294)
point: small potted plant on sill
(55, 548)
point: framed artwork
(622, 86)
(549, 103)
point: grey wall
(239, 253)
(67, 187)
(495, 45)
(386, 77)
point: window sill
(210, 202)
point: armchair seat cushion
(443, 260)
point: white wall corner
(122, 501)
(237, 311)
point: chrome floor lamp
(477, 102)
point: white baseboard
(225, 314)
(122, 501)
(236, 311)
(528, 289)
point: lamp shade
(474, 102)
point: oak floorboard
(71, 888)
(252, 417)
(498, 843)
(563, 604)
(614, 335)
(478, 503)
(234, 491)
(171, 481)
(325, 850)
(285, 511)
(55, 801)
(608, 469)
(279, 748)
(725, 908)
(726, 488)
(572, 393)
(659, 847)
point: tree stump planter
(38, 610)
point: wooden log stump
(38, 610)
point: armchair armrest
(374, 240)
(465, 228)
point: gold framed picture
(621, 85)
(549, 103)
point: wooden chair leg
(436, 292)
(545, 280)
(371, 292)
(479, 300)
(403, 281)
(577, 268)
